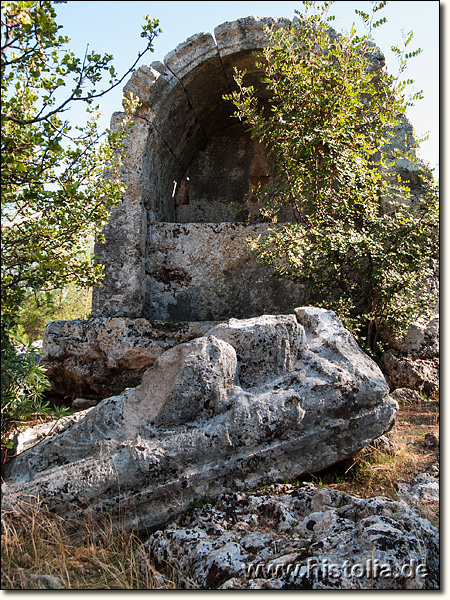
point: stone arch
(175, 248)
(192, 127)
(188, 161)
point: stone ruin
(207, 408)
(213, 423)
(176, 247)
(175, 256)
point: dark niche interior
(217, 183)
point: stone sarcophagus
(176, 248)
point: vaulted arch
(176, 248)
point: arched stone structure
(176, 247)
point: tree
(58, 183)
(54, 193)
(38, 308)
(358, 237)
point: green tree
(38, 308)
(58, 182)
(358, 237)
(54, 193)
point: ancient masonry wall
(198, 271)
(176, 247)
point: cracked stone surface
(103, 356)
(252, 400)
(297, 538)
(189, 164)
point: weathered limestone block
(286, 395)
(413, 362)
(208, 272)
(190, 161)
(421, 375)
(280, 335)
(43, 582)
(31, 436)
(190, 54)
(246, 34)
(123, 255)
(166, 105)
(408, 165)
(407, 396)
(303, 538)
(196, 64)
(103, 356)
(422, 491)
(181, 111)
(236, 42)
(146, 84)
(421, 340)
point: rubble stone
(305, 538)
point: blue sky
(115, 27)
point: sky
(114, 27)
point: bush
(360, 238)
(23, 384)
(39, 308)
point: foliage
(38, 308)
(58, 183)
(358, 236)
(54, 194)
(23, 384)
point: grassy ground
(89, 556)
(81, 556)
(376, 470)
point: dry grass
(375, 471)
(87, 555)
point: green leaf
(327, 129)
